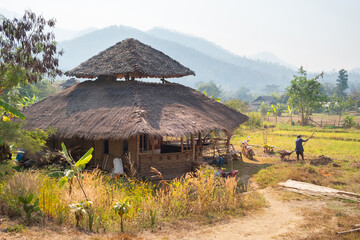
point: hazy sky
(318, 34)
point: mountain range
(209, 61)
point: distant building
(69, 83)
(263, 99)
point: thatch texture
(130, 59)
(120, 109)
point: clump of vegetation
(255, 120)
(28, 207)
(79, 209)
(14, 229)
(122, 208)
(237, 104)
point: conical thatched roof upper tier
(130, 59)
(120, 109)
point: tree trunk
(121, 223)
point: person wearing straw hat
(299, 149)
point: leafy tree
(355, 93)
(342, 83)
(210, 88)
(264, 108)
(271, 88)
(28, 52)
(24, 95)
(243, 93)
(328, 88)
(305, 95)
(341, 106)
(237, 104)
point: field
(202, 202)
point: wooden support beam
(137, 152)
(152, 145)
(193, 146)
(200, 143)
(182, 144)
(142, 142)
(228, 154)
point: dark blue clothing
(298, 144)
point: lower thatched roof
(120, 109)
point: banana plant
(75, 168)
(79, 209)
(122, 208)
(11, 110)
(275, 111)
(212, 96)
(27, 101)
(290, 111)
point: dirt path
(279, 218)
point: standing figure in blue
(299, 149)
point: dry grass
(200, 196)
(20, 184)
(324, 223)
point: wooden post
(228, 155)
(200, 144)
(182, 145)
(193, 146)
(137, 152)
(152, 145)
(142, 142)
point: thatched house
(160, 125)
(69, 83)
(269, 100)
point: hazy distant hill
(271, 58)
(63, 34)
(228, 70)
(274, 70)
(209, 61)
(356, 70)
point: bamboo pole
(228, 155)
(193, 146)
(152, 145)
(349, 231)
(200, 143)
(137, 152)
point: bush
(237, 104)
(255, 120)
(349, 121)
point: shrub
(237, 104)
(349, 121)
(255, 120)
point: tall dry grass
(20, 184)
(194, 196)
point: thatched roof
(69, 83)
(120, 109)
(264, 99)
(130, 59)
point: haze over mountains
(209, 61)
